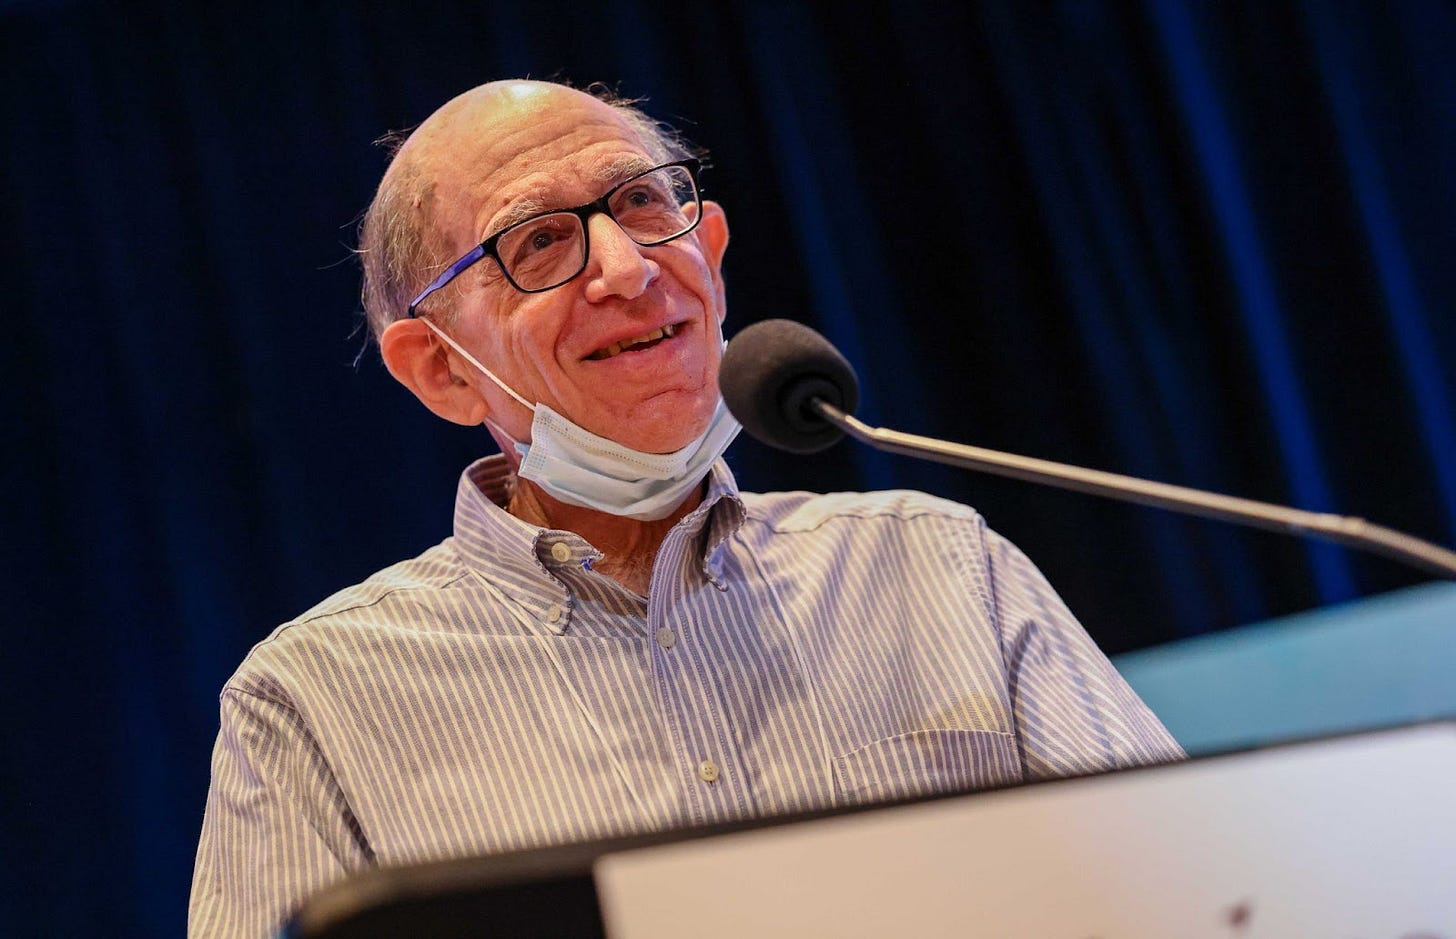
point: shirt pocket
(927, 762)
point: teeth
(616, 347)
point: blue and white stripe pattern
(795, 651)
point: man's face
(535, 147)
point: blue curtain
(1203, 243)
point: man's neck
(629, 546)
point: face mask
(580, 468)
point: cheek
(532, 337)
(691, 272)
(493, 333)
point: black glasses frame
(487, 248)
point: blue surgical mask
(580, 468)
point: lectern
(1347, 836)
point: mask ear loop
(520, 447)
(484, 371)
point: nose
(617, 267)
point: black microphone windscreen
(770, 373)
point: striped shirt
(795, 651)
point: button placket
(557, 616)
(686, 673)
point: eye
(646, 193)
(532, 239)
(542, 236)
(641, 198)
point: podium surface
(1351, 836)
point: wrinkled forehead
(498, 154)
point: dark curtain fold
(1203, 243)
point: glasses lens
(654, 208)
(543, 252)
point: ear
(713, 236)
(422, 363)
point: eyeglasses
(549, 249)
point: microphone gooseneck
(790, 388)
(772, 373)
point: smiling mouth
(645, 341)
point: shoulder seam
(229, 688)
(299, 621)
(865, 516)
(306, 619)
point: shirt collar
(490, 538)
(723, 508)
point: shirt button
(553, 614)
(708, 771)
(561, 551)
(666, 638)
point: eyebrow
(517, 213)
(622, 168)
(611, 173)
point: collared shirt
(794, 651)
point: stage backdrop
(1205, 243)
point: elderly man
(615, 639)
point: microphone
(771, 374)
(790, 388)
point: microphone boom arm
(1342, 529)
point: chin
(672, 435)
(666, 443)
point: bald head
(435, 169)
